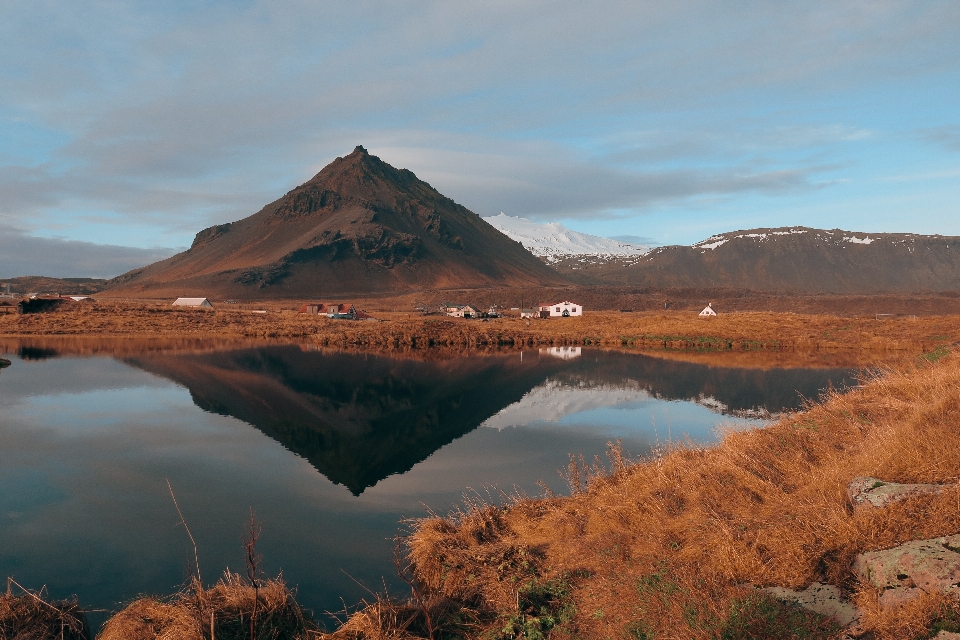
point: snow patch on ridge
(553, 242)
(711, 243)
(856, 240)
(715, 241)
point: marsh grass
(672, 546)
(222, 612)
(29, 615)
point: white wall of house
(562, 309)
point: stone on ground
(825, 599)
(920, 565)
(867, 491)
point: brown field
(808, 337)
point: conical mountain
(360, 226)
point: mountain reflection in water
(360, 418)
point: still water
(331, 450)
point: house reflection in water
(564, 353)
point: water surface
(331, 450)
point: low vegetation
(28, 615)
(235, 608)
(666, 331)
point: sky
(126, 127)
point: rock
(947, 635)
(920, 565)
(866, 491)
(825, 599)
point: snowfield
(552, 241)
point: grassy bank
(670, 546)
(669, 331)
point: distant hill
(554, 242)
(360, 226)
(43, 284)
(792, 259)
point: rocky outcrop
(870, 492)
(920, 565)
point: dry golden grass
(667, 547)
(28, 615)
(222, 612)
(668, 331)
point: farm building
(324, 308)
(339, 311)
(560, 309)
(708, 311)
(460, 311)
(192, 302)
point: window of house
(558, 308)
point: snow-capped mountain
(552, 241)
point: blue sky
(127, 127)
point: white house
(708, 311)
(560, 309)
(461, 311)
(192, 302)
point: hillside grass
(671, 546)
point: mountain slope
(795, 259)
(554, 242)
(359, 226)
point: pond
(331, 451)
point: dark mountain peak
(359, 225)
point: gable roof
(192, 302)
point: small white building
(461, 311)
(708, 311)
(563, 309)
(192, 302)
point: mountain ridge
(792, 259)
